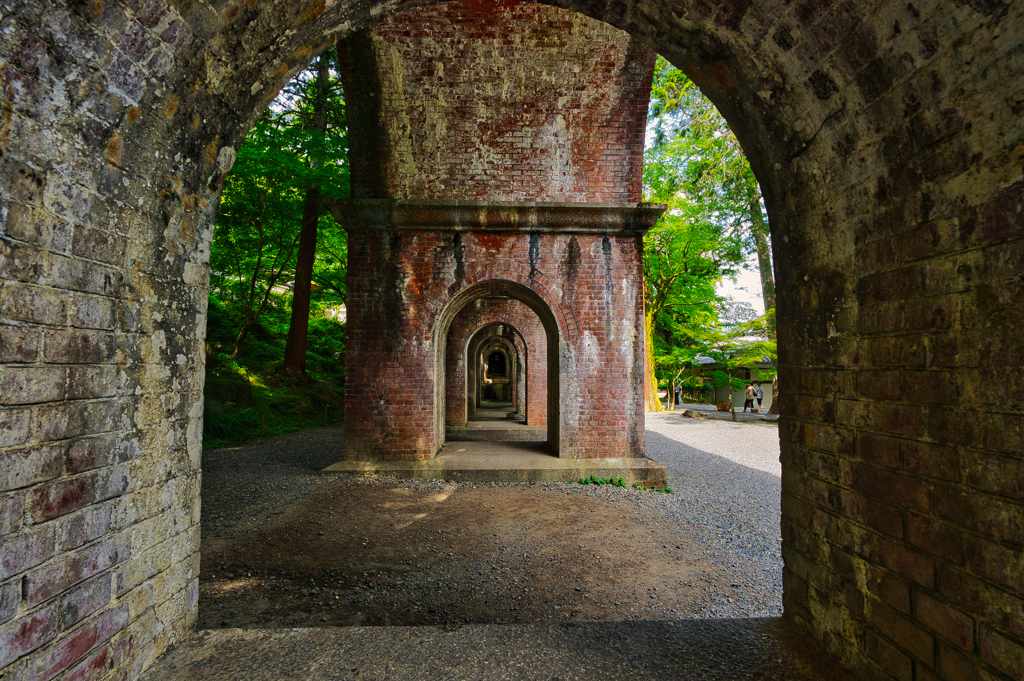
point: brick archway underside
(886, 136)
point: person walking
(748, 398)
(760, 396)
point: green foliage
(254, 242)
(279, 402)
(591, 480)
(697, 153)
(253, 261)
(713, 223)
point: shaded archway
(552, 328)
(886, 138)
(515, 321)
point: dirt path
(378, 551)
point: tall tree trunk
(651, 401)
(242, 333)
(298, 329)
(774, 409)
(764, 253)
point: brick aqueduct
(886, 135)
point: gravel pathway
(725, 504)
(247, 484)
(727, 487)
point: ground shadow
(706, 650)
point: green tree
(255, 235)
(261, 213)
(735, 346)
(318, 114)
(712, 167)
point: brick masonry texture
(497, 101)
(408, 284)
(886, 136)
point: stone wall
(885, 134)
(460, 379)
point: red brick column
(565, 95)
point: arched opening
(488, 329)
(889, 163)
(494, 364)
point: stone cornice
(496, 216)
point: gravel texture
(245, 485)
(719, 527)
(726, 479)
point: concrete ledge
(510, 462)
(517, 434)
(514, 216)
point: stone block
(947, 622)
(10, 599)
(36, 227)
(33, 304)
(892, 659)
(74, 646)
(74, 567)
(26, 550)
(83, 601)
(80, 528)
(63, 420)
(66, 346)
(98, 244)
(65, 495)
(24, 467)
(15, 426)
(20, 344)
(995, 473)
(92, 381)
(12, 511)
(31, 385)
(92, 452)
(930, 460)
(26, 634)
(986, 601)
(904, 632)
(1002, 652)
(92, 312)
(76, 274)
(936, 537)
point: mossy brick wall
(529, 339)
(886, 136)
(497, 101)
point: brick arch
(459, 374)
(507, 348)
(558, 351)
(885, 136)
(483, 278)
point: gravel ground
(244, 486)
(727, 487)
(720, 528)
